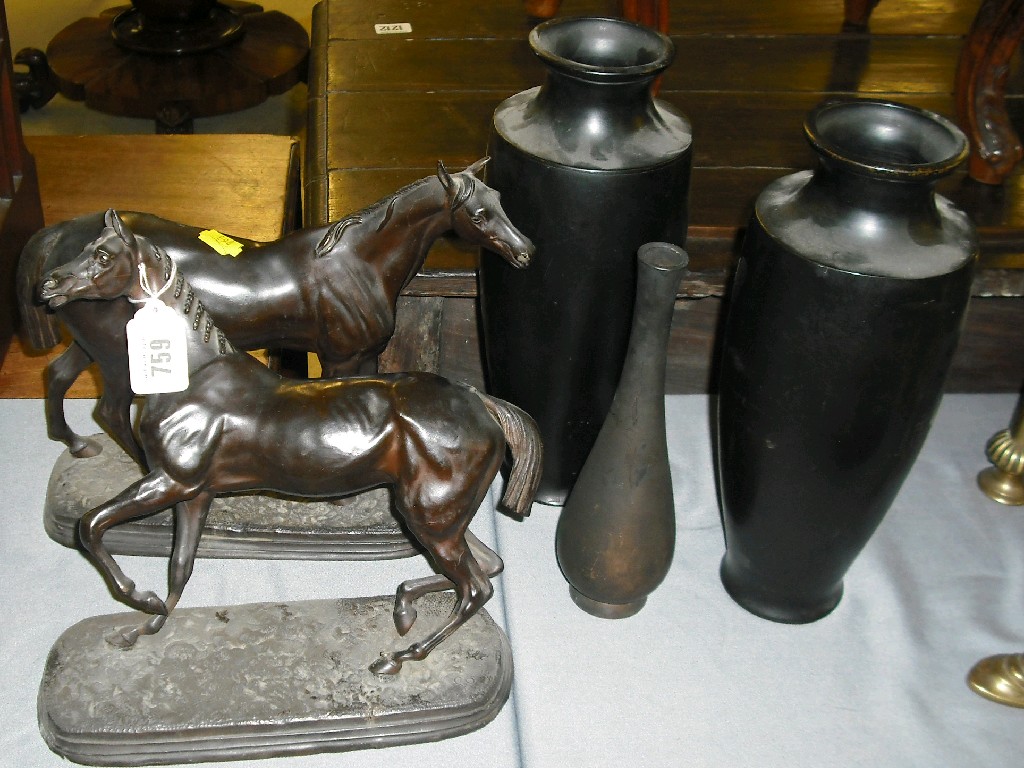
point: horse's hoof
(387, 664)
(404, 619)
(84, 448)
(153, 625)
(149, 602)
(122, 639)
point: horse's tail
(38, 324)
(523, 440)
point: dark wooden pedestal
(266, 59)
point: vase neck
(597, 107)
(660, 267)
(875, 193)
(887, 155)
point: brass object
(1002, 481)
(1000, 678)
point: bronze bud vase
(845, 312)
(616, 532)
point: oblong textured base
(361, 527)
(265, 680)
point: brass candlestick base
(1000, 678)
(1002, 481)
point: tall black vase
(617, 531)
(845, 312)
(590, 167)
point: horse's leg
(60, 375)
(472, 587)
(144, 497)
(368, 365)
(487, 557)
(189, 519)
(115, 411)
(408, 591)
(413, 589)
(335, 368)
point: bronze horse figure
(240, 426)
(330, 290)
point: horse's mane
(192, 308)
(465, 185)
(334, 233)
(159, 254)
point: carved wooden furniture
(126, 62)
(20, 211)
(247, 185)
(981, 89)
(980, 84)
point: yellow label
(222, 244)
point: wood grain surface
(385, 108)
(244, 185)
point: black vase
(590, 167)
(617, 531)
(845, 311)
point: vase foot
(606, 610)
(766, 605)
(550, 501)
(1002, 486)
(1000, 678)
(551, 498)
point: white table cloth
(692, 680)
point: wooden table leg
(542, 9)
(981, 89)
(653, 13)
(856, 14)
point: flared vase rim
(879, 166)
(663, 257)
(541, 39)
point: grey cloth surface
(692, 680)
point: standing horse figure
(240, 426)
(330, 290)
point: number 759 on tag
(157, 355)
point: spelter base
(265, 680)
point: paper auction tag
(395, 28)
(221, 243)
(157, 350)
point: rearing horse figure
(240, 426)
(330, 290)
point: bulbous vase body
(590, 167)
(616, 532)
(844, 316)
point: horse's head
(105, 269)
(477, 215)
